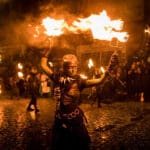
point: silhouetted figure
(33, 83)
(69, 130)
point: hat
(70, 59)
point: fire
(20, 74)
(102, 69)
(37, 32)
(102, 27)
(83, 76)
(90, 64)
(20, 66)
(53, 27)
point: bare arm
(92, 82)
(113, 62)
(45, 67)
(44, 62)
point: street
(115, 126)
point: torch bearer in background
(91, 68)
(20, 70)
(142, 101)
(114, 61)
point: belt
(69, 116)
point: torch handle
(120, 81)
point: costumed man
(69, 130)
(33, 83)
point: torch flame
(20, 74)
(20, 66)
(102, 69)
(83, 76)
(90, 64)
(53, 27)
(102, 27)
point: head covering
(70, 60)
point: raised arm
(112, 63)
(92, 82)
(44, 62)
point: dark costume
(69, 130)
(33, 84)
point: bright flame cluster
(101, 26)
(20, 73)
(90, 63)
(53, 27)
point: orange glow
(142, 97)
(1, 116)
(33, 115)
(20, 74)
(102, 69)
(20, 66)
(53, 27)
(90, 64)
(0, 89)
(37, 32)
(83, 76)
(100, 25)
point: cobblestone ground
(115, 126)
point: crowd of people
(129, 81)
(20, 87)
(69, 129)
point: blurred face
(71, 70)
(34, 70)
(70, 64)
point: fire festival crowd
(130, 80)
(117, 82)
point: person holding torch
(69, 130)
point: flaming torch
(102, 27)
(20, 73)
(102, 69)
(20, 66)
(53, 28)
(90, 64)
